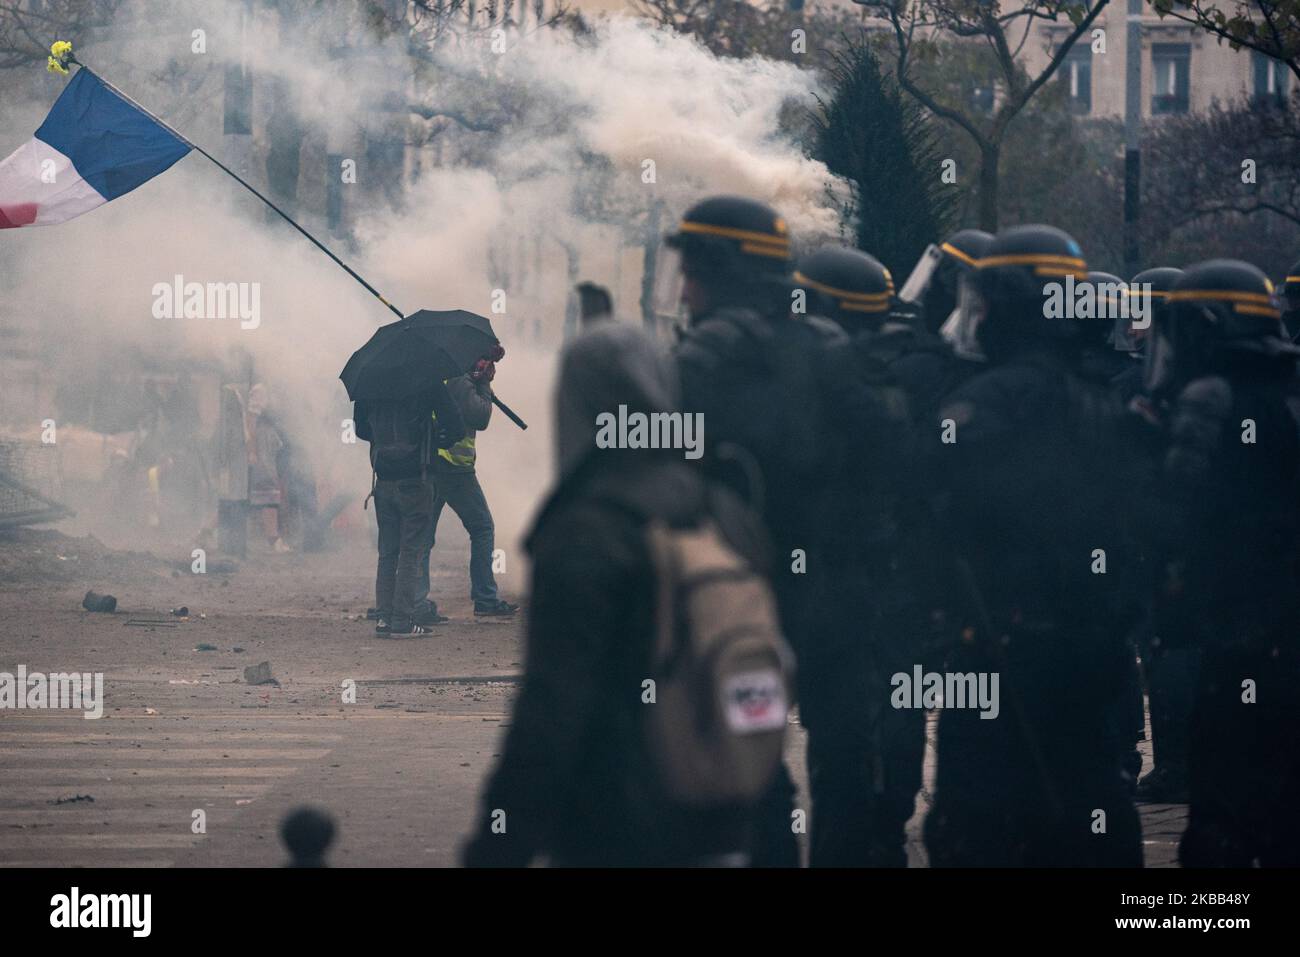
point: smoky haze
(554, 187)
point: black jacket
(785, 395)
(1039, 478)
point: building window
(1169, 65)
(1272, 80)
(1076, 77)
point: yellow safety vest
(462, 454)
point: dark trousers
(1171, 681)
(1244, 770)
(962, 833)
(863, 782)
(864, 756)
(404, 510)
(462, 492)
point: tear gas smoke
(582, 135)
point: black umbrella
(404, 357)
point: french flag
(93, 147)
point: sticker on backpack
(755, 701)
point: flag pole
(241, 181)
(70, 57)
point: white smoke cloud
(585, 114)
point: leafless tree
(28, 27)
(921, 27)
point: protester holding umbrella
(403, 409)
(458, 486)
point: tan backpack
(722, 671)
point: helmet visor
(1158, 362)
(962, 326)
(922, 274)
(668, 284)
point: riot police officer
(1232, 470)
(864, 757)
(1168, 667)
(1043, 591)
(788, 419)
(1099, 358)
(855, 290)
(1130, 336)
(934, 285)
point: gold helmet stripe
(1222, 295)
(865, 298)
(956, 253)
(1271, 311)
(854, 307)
(708, 229)
(759, 249)
(1033, 259)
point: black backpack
(401, 440)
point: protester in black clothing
(575, 783)
(403, 440)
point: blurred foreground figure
(1045, 584)
(607, 762)
(307, 832)
(864, 756)
(1233, 470)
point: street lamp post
(1132, 137)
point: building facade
(1184, 69)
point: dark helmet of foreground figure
(730, 239)
(846, 285)
(1218, 306)
(1012, 281)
